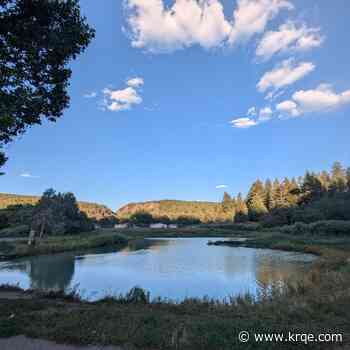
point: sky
(187, 99)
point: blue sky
(172, 104)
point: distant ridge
(173, 209)
(92, 210)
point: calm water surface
(173, 268)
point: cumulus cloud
(284, 74)
(220, 186)
(289, 37)
(243, 123)
(288, 107)
(158, 28)
(92, 94)
(135, 82)
(124, 99)
(252, 16)
(321, 99)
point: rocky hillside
(173, 209)
(92, 210)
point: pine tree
(338, 179)
(325, 180)
(277, 194)
(312, 188)
(269, 201)
(241, 209)
(348, 177)
(289, 196)
(228, 206)
(255, 201)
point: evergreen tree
(269, 201)
(277, 194)
(289, 192)
(312, 188)
(338, 179)
(325, 180)
(228, 206)
(241, 209)
(348, 178)
(255, 201)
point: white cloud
(265, 114)
(243, 123)
(158, 28)
(284, 74)
(321, 99)
(28, 176)
(288, 107)
(220, 186)
(252, 16)
(289, 37)
(124, 99)
(135, 82)
(92, 94)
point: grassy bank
(328, 247)
(51, 245)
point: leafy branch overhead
(38, 38)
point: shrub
(319, 228)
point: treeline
(52, 214)
(94, 211)
(175, 211)
(309, 198)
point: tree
(255, 201)
(141, 218)
(58, 214)
(241, 209)
(228, 206)
(269, 200)
(348, 177)
(311, 189)
(338, 179)
(38, 38)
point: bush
(319, 228)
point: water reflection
(170, 268)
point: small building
(120, 226)
(158, 225)
(172, 226)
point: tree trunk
(31, 239)
(42, 229)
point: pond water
(173, 268)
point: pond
(173, 268)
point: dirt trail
(24, 343)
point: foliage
(175, 210)
(58, 213)
(37, 41)
(96, 212)
(141, 218)
(319, 228)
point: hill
(173, 209)
(92, 210)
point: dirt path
(24, 343)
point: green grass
(52, 245)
